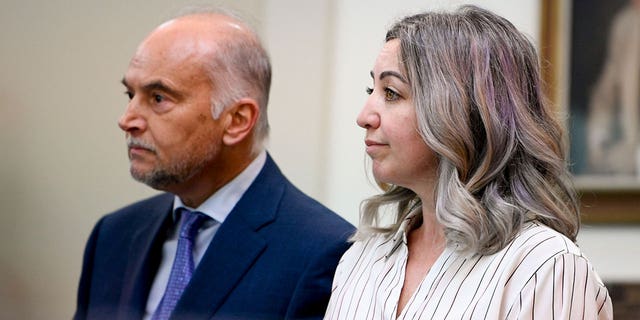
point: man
(251, 245)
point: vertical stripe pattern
(540, 275)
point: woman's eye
(369, 90)
(390, 95)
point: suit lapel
(217, 274)
(144, 258)
(235, 247)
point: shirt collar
(219, 205)
(400, 236)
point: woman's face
(399, 154)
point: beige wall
(63, 162)
(64, 165)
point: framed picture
(590, 53)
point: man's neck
(209, 180)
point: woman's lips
(373, 145)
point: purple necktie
(182, 265)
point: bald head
(202, 32)
(227, 49)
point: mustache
(139, 143)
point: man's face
(171, 133)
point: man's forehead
(137, 61)
(202, 23)
(189, 35)
(185, 43)
(172, 48)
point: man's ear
(241, 118)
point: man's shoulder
(296, 199)
(154, 205)
(296, 205)
(116, 230)
(311, 217)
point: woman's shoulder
(539, 239)
(537, 248)
(541, 263)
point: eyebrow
(157, 85)
(390, 74)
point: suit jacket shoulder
(120, 260)
(273, 257)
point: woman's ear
(241, 119)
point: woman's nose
(368, 117)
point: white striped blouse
(541, 274)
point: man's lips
(138, 146)
(136, 151)
(139, 149)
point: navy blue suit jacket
(273, 258)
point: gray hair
(242, 69)
(480, 107)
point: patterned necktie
(182, 265)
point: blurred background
(64, 164)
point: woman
(460, 133)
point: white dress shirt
(217, 207)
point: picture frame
(575, 55)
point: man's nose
(132, 120)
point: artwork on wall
(590, 53)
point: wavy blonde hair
(480, 107)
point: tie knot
(190, 223)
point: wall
(64, 164)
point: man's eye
(368, 90)
(158, 98)
(390, 95)
(129, 94)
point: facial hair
(178, 169)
